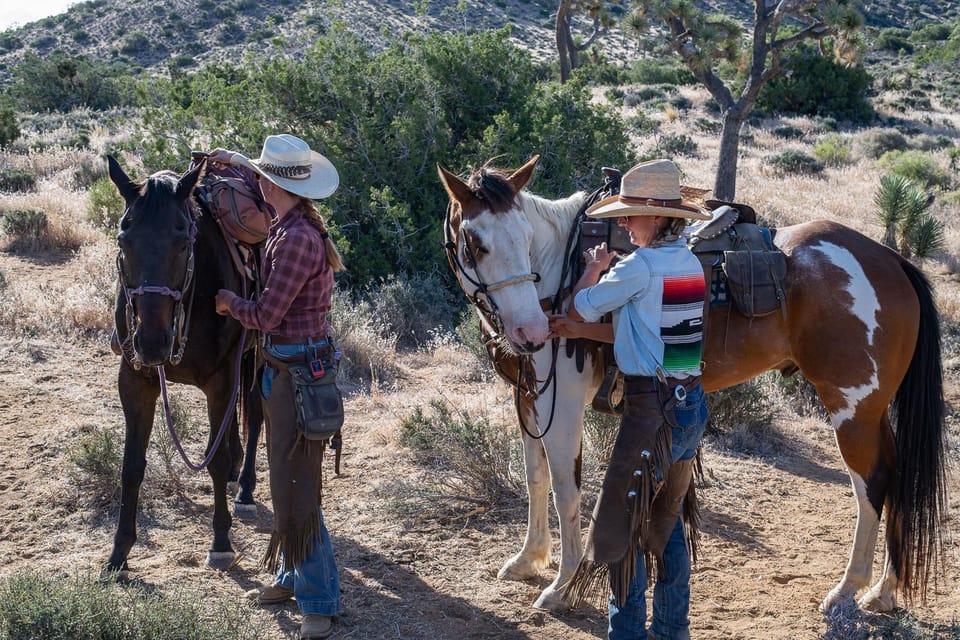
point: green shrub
(83, 608)
(744, 405)
(88, 171)
(105, 206)
(917, 166)
(9, 124)
(97, 456)
(471, 454)
(873, 143)
(642, 125)
(787, 132)
(794, 162)
(820, 86)
(414, 307)
(672, 145)
(26, 224)
(659, 70)
(833, 150)
(13, 179)
(893, 40)
(60, 82)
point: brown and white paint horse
(860, 325)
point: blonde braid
(334, 259)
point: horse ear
(128, 189)
(456, 188)
(521, 176)
(189, 180)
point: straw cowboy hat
(651, 189)
(288, 162)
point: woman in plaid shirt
(299, 260)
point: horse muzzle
(153, 348)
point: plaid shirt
(298, 282)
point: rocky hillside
(188, 33)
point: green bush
(672, 146)
(414, 307)
(9, 124)
(744, 405)
(105, 206)
(787, 132)
(794, 162)
(659, 70)
(26, 224)
(833, 150)
(472, 454)
(822, 87)
(60, 82)
(97, 456)
(873, 143)
(458, 99)
(82, 608)
(917, 166)
(13, 179)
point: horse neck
(551, 221)
(215, 268)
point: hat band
(676, 203)
(296, 172)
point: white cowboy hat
(288, 162)
(650, 189)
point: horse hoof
(221, 560)
(110, 575)
(241, 510)
(874, 600)
(551, 600)
(837, 598)
(516, 568)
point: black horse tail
(918, 497)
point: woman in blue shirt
(655, 296)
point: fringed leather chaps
(641, 496)
(295, 479)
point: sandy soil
(777, 525)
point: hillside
(189, 33)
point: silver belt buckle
(680, 393)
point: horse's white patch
(866, 307)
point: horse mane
(492, 187)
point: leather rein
(181, 329)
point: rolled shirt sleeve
(628, 278)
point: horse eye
(467, 257)
(121, 238)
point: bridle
(490, 314)
(183, 307)
(485, 304)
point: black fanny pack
(319, 405)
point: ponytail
(334, 259)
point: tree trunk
(725, 184)
(563, 38)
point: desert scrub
(917, 166)
(17, 179)
(793, 162)
(873, 143)
(105, 206)
(833, 150)
(82, 608)
(96, 457)
(474, 456)
(24, 224)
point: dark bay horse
(861, 325)
(172, 261)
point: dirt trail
(775, 536)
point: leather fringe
(291, 550)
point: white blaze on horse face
(503, 265)
(866, 308)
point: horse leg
(218, 393)
(866, 444)
(243, 503)
(535, 554)
(138, 397)
(564, 457)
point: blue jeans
(671, 593)
(316, 582)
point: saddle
(740, 262)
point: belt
(319, 341)
(648, 384)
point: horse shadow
(383, 596)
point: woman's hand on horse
(599, 257)
(224, 296)
(220, 156)
(562, 326)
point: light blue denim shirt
(656, 299)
